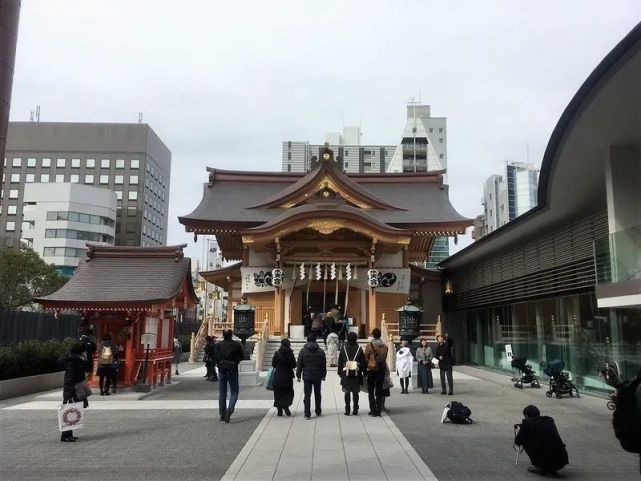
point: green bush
(30, 358)
(185, 342)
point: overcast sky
(225, 83)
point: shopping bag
(269, 380)
(71, 416)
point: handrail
(259, 348)
(197, 341)
(391, 355)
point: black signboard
(244, 323)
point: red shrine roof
(126, 275)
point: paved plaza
(174, 433)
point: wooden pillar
(279, 309)
(372, 320)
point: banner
(394, 280)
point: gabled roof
(125, 275)
(329, 175)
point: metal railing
(261, 343)
(617, 257)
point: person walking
(106, 349)
(317, 326)
(210, 359)
(376, 355)
(542, 443)
(424, 358)
(228, 354)
(177, 353)
(445, 363)
(75, 366)
(351, 367)
(284, 364)
(307, 322)
(404, 361)
(312, 365)
(387, 389)
(331, 344)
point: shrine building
(134, 294)
(325, 238)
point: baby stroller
(611, 376)
(528, 376)
(560, 383)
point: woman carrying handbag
(75, 388)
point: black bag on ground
(458, 413)
(626, 419)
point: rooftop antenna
(140, 117)
(36, 115)
(527, 151)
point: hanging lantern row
(331, 271)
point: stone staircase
(273, 344)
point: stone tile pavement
(175, 434)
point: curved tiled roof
(126, 275)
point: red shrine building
(129, 292)
(326, 238)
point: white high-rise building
(505, 197)
(423, 147)
(59, 220)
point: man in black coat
(228, 354)
(313, 367)
(542, 443)
(445, 362)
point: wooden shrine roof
(125, 276)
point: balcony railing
(617, 257)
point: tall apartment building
(357, 158)
(9, 19)
(59, 220)
(128, 159)
(423, 148)
(505, 197)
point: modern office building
(423, 148)
(9, 18)
(506, 197)
(563, 280)
(59, 220)
(128, 159)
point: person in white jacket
(404, 360)
(331, 343)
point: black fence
(16, 326)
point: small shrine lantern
(409, 321)
(244, 320)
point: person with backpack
(351, 367)
(228, 354)
(376, 355)
(445, 362)
(312, 365)
(284, 364)
(106, 356)
(542, 443)
(177, 354)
